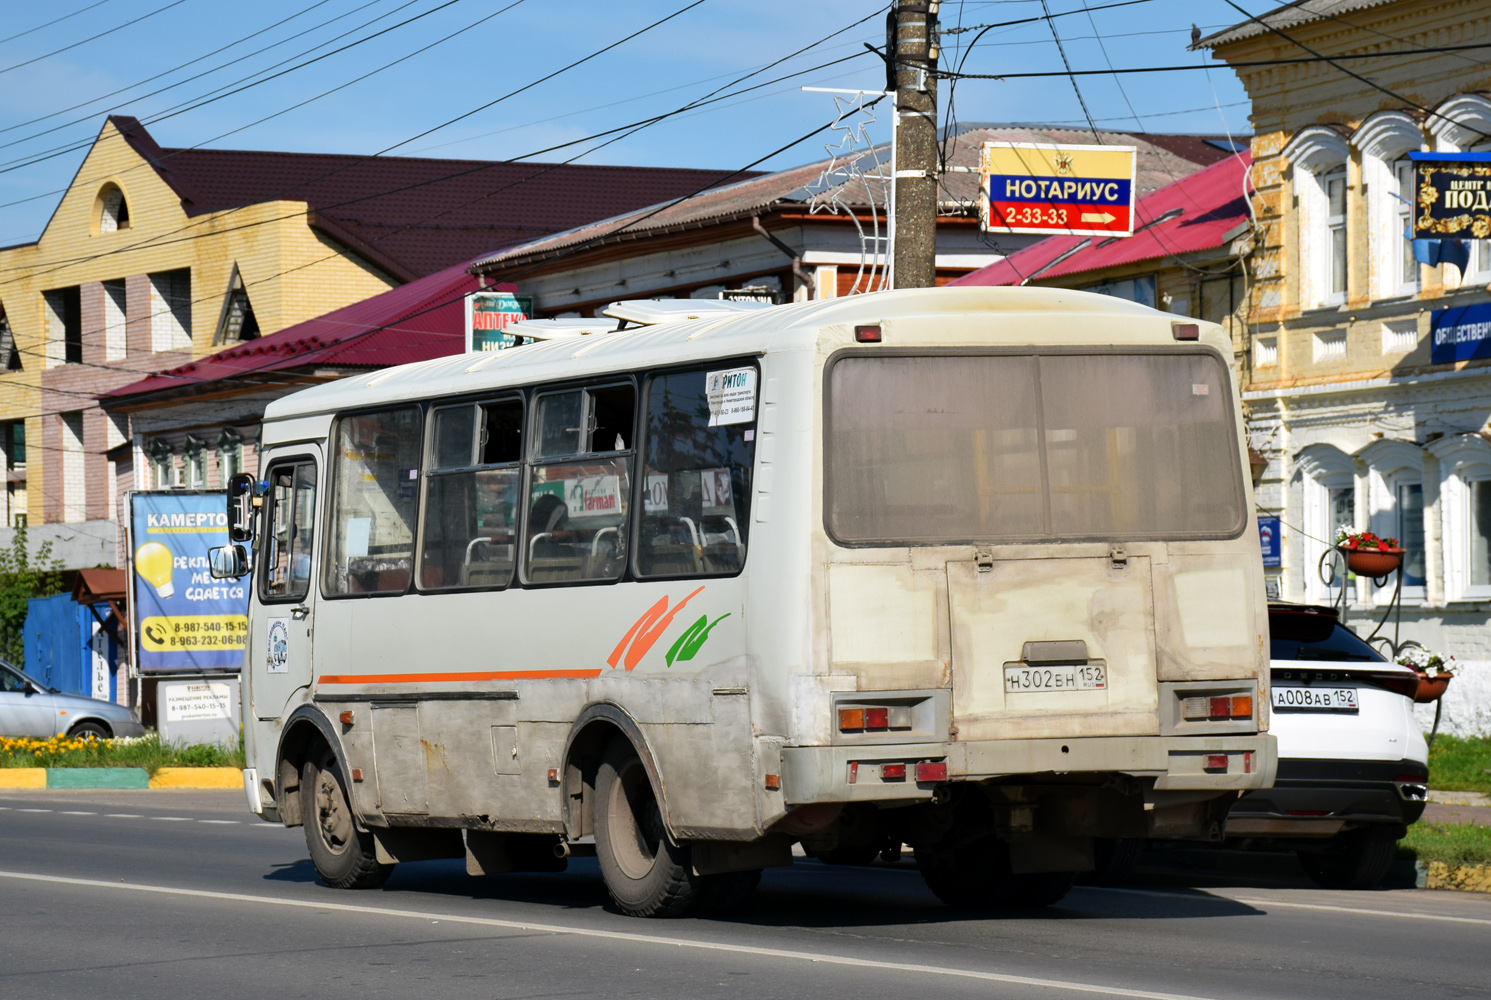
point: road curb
(120, 777)
(1465, 878)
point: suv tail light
(1403, 683)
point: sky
(493, 79)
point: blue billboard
(184, 620)
(1460, 334)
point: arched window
(1318, 157)
(1385, 140)
(1395, 509)
(1328, 481)
(1465, 505)
(113, 211)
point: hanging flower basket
(1431, 689)
(1373, 562)
(1368, 554)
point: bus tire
(1357, 859)
(1040, 889)
(343, 855)
(646, 875)
(970, 876)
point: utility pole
(914, 243)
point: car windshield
(12, 678)
(1309, 635)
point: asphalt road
(183, 894)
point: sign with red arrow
(1075, 190)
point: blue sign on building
(1268, 541)
(1460, 334)
(184, 619)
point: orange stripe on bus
(493, 675)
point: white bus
(971, 570)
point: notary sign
(489, 314)
(184, 619)
(1075, 190)
(1452, 196)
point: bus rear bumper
(1236, 762)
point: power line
(1357, 76)
(90, 38)
(945, 74)
(181, 66)
(56, 20)
(225, 92)
(1050, 23)
(160, 240)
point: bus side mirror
(227, 562)
(240, 509)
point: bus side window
(697, 464)
(471, 496)
(580, 485)
(374, 494)
(291, 537)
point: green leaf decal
(694, 637)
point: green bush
(1453, 843)
(149, 753)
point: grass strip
(1455, 844)
(148, 753)
(1460, 764)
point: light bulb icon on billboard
(153, 562)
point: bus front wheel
(343, 855)
(646, 875)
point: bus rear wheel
(646, 874)
(970, 876)
(343, 855)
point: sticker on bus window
(715, 485)
(655, 497)
(732, 396)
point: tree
(23, 576)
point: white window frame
(1334, 224)
(1315, 153)
(1323, 469)
(1390, 465)
(1401, 217)
(1463, 459)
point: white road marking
(173, 819)
(632, 938)
(123, 816)
(76, 812)
(33, 810)
(1213, 896)
(220, 822)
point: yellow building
(1363, 430)
(155, 257)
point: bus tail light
(1185, 331)
(874, 718)
(867, 334)
(851, 719)
(877, 718)
(931, 770)
(1216, 762)
(892, 772)
(1218, 707)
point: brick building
(1362, 429)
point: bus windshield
(959, 447)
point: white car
(1353, 764)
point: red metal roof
(415, 322)
(414, 216)
(1193, 214)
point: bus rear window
(955, 448)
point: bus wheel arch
(593, 732)
(305, 732)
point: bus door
(280, 658)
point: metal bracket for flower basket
(1333, 558)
